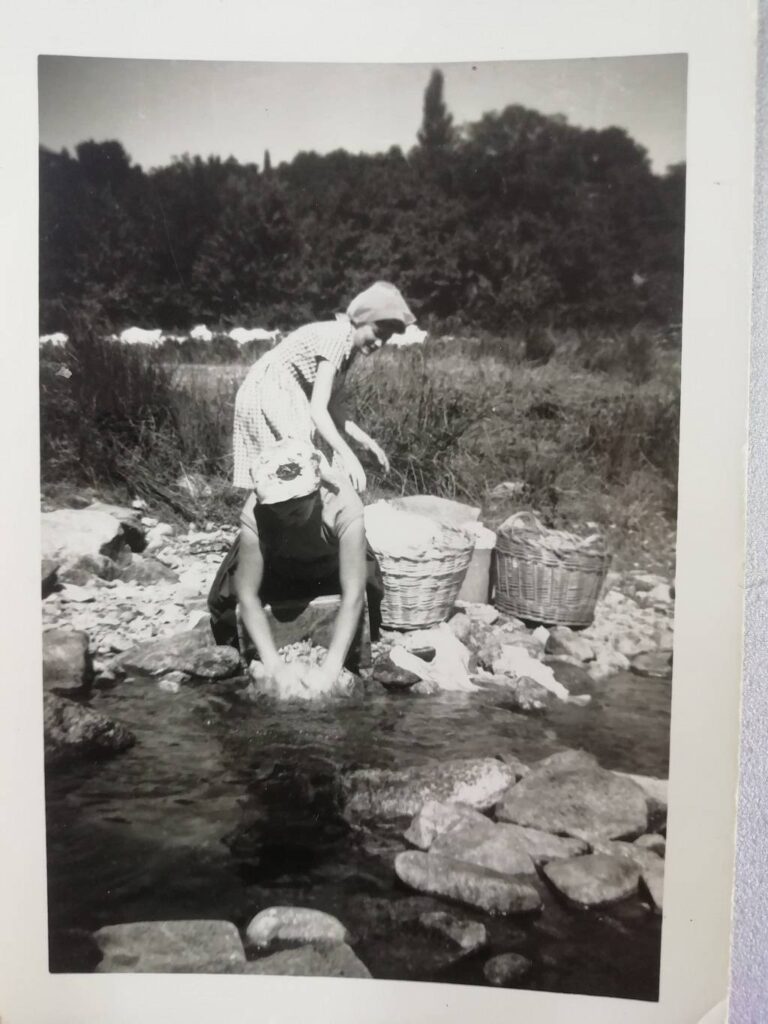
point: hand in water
(284, 681)
(320, 679)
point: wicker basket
(420, 591)
(533, 582)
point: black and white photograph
(359, 428)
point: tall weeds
(589, 435)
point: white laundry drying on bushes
(57, 340)
(140, 336)
(243, 335)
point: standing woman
(293, 390)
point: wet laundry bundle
(307, 659)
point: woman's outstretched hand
(354, 470)
(380, 455)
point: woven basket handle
(523, 519)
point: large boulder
(586, 802)
(434, 818)
(384, 793)
(294, 925)
(334, 960)
(655, 791)
(72, 730)
(130, 518)
(643, 858)
(66, 660)
(170, 947)
(539, 846)
(192, 651)
(82, 542)
(493, 848)
(476, 886)
(595, 880)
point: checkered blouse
(273, 400)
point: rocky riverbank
(479, 839)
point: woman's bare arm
(352, 574)
(248, 579)
(321, 417)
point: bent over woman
(295, 390)
(301, 535)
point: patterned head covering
(382, 301)
(288, 469)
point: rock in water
(565, 759)
(294, 925)
(539, 846)
(629, 851)
(391, 676)
(216, 663)
(469, 936)
(179, 652)
(587, 803)
(507, 969)
(72, 730)
(66, 661)
(652, 841)
(434, 818)
(381, 793)
(171, 947)
(478, 887)
(653, 881)
(325, 961)
(655, 791)
(595, 880)
(492, 848)
(654, 664)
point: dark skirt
(222, 598)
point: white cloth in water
(449, 668)
(307, 658)
(516, 661)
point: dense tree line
(515, 221)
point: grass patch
(589, 439)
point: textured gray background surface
(749, 995)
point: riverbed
(225, 806)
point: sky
(161, 109)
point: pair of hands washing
(300, 676)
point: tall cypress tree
(436, 133)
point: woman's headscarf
(382, 301)
(288, 469)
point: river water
(225, 807)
